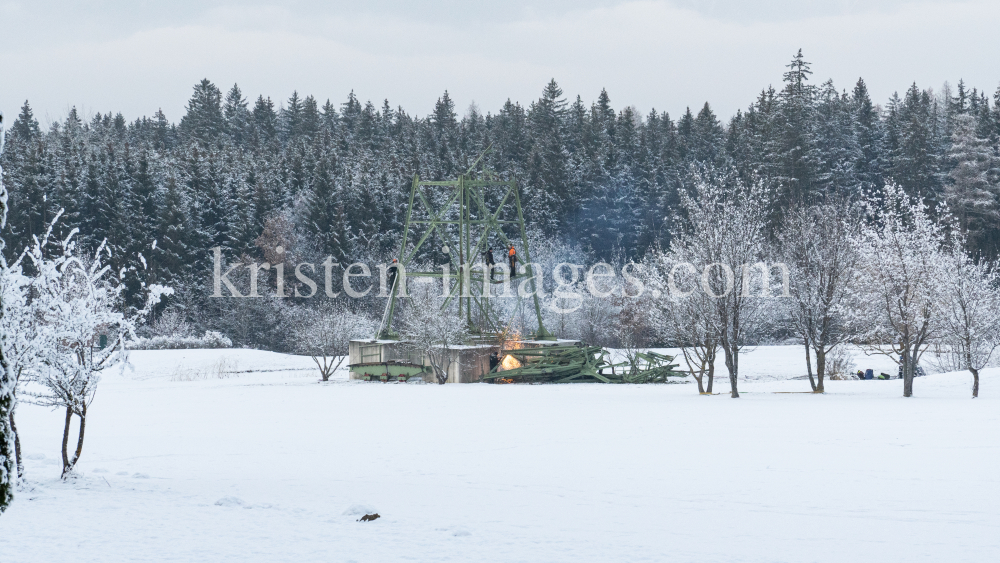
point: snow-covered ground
(236, 455)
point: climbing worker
(393, 270)
(488, 258)
(512, 255)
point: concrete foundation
(389, 357)
(385, 360)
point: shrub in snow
(211, 339)
(170, 322)
(325, 333)
(840, 363)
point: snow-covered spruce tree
(968, 311)
(899, 280)
(683, 315)
(973, 188)
(793, 145)
(8, 468)
(77, 301)
(325, 333)
(816, 246)
(725, 240)
(432, 331)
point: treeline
(326, 179)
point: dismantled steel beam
(579, 364)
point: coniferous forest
(326, 178)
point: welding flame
(509, 362)
(511, 341)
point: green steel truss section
(465, 223)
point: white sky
(136, 56)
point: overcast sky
(136, 56)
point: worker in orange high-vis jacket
(512, 255)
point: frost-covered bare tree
(8, 464)
(899, 280)
(968, 311)
(633, 320)
(817, 246)
(76, 302)
(325, 333)
(20, 341)
(683, 315)
(432, 331)
(725, 239)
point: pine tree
(973, 189)
(173, 251)
(706, 143)
(237, 115)
(265, 122)
(444, 139)
(290, 118)
(310, 118)
(25, 127)
(994, 128)
(325, 211)
(548, 164)
(917, 154)
(329, 118)
(163, 132)
(686, 142)
(837, 149)
(204, 123)
(868, 133)
(794, 144)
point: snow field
(263, 463)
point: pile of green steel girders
(582, 364)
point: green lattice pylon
(456, 213)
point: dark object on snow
(884, 375)
(369, 517)
(861, 374)
(869, 374)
